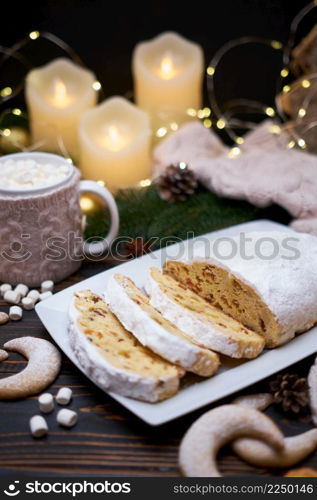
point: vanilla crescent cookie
(257, 452)
(44, 362)
(3, 355)
(202, 441)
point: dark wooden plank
(108, 439)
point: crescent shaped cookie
(44, 362)
(3, 355)
(259, 453)
(202, 441)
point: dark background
(104, 34)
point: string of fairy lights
(212, 116)
(228, 120)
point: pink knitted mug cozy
(41, 234)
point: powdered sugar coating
(195, 326)
(44, 362)
(3, 355)
(175, 349)
(110, 378)
(287, 285)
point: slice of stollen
(202, 322)
(265, 280)
(134, 311)
(112, 357)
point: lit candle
(57, 95)
(115, 143)
(168, 74)
(167, 68)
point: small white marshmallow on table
(22, 295)
(65, 417)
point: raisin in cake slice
(269, 284)
(134, 311)
(112, 357)
(202, 322)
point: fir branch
(144, 214)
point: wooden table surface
(108, 439)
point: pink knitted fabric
(266, 172)
(37, 235)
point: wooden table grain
(108, 440)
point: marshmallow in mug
(30, 174)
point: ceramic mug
(41, 234)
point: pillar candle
(168, 73)
(115, 141)
(57, 94)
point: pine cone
(290, 392)
(177, 183)
(137, 247)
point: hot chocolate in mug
(41, 234)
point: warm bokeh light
(167, 69)
(61, 98)
(113, 140)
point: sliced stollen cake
(269, 283)
(202, 322)
(134, 311)
(112, 357)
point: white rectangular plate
(231, 377)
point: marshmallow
(45, 295)
(64, 396)
(38, 426)
(30, 174)
(21, 290)
(34, 294)
(15, 313)
(12, 297)
(47, 286)
(67, 418)
(4, 318)
(46, 402)
(5, 287)
(27, 303)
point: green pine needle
(144, 214)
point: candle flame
(113, 133)
(167, 68)
(113, 139)
(61, 98)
